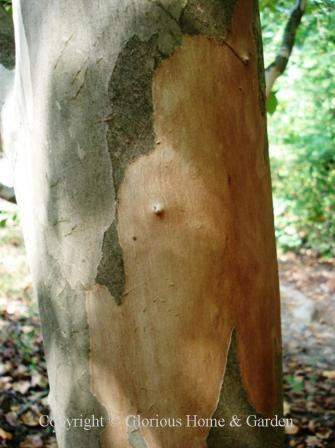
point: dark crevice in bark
(234, 401)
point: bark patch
(201, 252)
(66, 344)
(208, 18)
(234, 401)
(111, 268)
(130, 122)
(130, 134)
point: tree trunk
(143, 181)
(7, 53)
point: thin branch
(7, 193)
(278, 66)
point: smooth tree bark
(138, 131)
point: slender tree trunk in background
(142, 176)
(7, 45)
(278, 66)
(7, 57)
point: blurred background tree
(7, 50)
(302, 128)
(6, 3)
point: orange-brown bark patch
(196, 230)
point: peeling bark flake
(196, 271)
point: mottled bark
(146, 205)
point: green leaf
(272, 103)
(296, 383)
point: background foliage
(302, 127)
(6, 4)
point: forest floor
(308, 316)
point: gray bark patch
(234, 401)
(135, 438)
(111, 268)
(208, 18)
(130, 135)
(130, 123)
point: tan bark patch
(196, 229)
